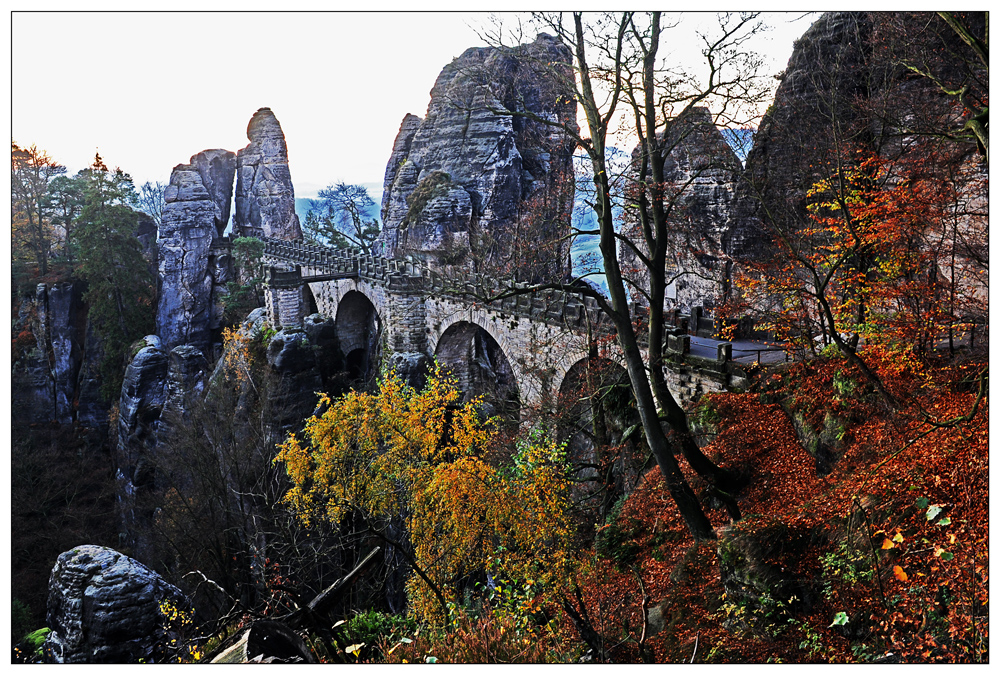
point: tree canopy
(120, 287)
(424, 455)
(341, 218)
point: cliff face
(195, 213)
(265, 198)
(469, 185)
(814, 111)
(701, 172)
(56, 356)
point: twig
(871, 543)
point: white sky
(148, 90)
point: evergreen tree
(340, 218)
(121, 290)
(65, 200)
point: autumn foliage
(423, 454)
(883, 557)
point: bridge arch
(309, 305)
(359, 331)
(605, 468)
(329, 294)
(482, 366)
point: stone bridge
(524, 348)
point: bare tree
(31, 171)
(617, 70)
(150, 196)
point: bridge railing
(559, 306)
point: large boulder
(265, 198)
(104, 607)
(195, 213)
(475, 187)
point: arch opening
(359, 331)
(479, 364)
(595, 408)
(309, 306)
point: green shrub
(372, 628)
(432, 186)
(843, 385)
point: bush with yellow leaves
(421, 455)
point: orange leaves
(870, 260)
(899, 573)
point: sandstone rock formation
(158, 389)
(56, 357)
(475, 187)
(193, 259)
(293, 358)
(265, 198)
(103, 607)
(701, 172)
(825, 77)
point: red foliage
(919, 492)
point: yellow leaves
(400, 451)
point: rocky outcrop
(400, 151)
(158, 390)
(103, 607)
(293, 359)
(473, 185)
(193, 258)
(187, 370)
(217, 168)
(139, 410)
(826, 77)
(56, 357)
(701, 173)
(265, 198)
(62, 317)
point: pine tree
(121, 289)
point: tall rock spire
(473, 185)
(195, 212)
(265, 198)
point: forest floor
(872, 548)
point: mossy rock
(433, 185)
(618, 539)
(759, 568)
